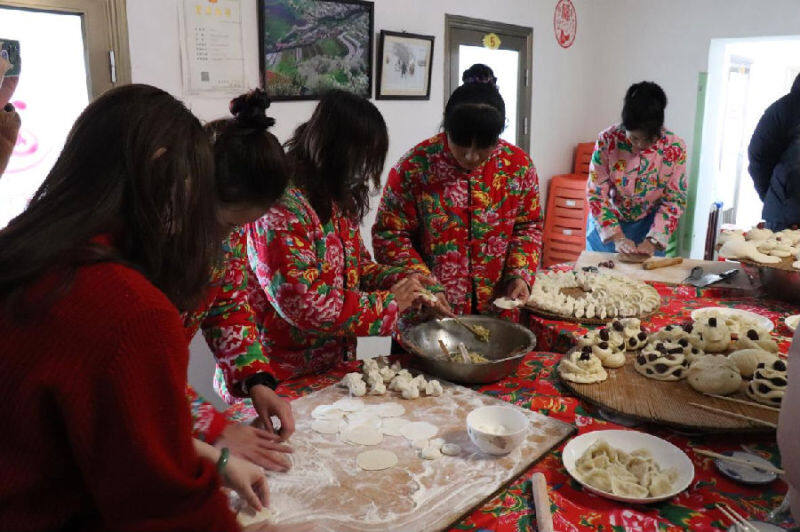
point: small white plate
(664, 453)
(792, 321)
(742, 473)
(761, 321)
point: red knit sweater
(95, 432)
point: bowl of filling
(467, 349)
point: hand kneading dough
(376, 459)
(747, 360)
(715, 374)
(582, 367)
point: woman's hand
(625, 245)
(518, 289)
(256, 445)
(407, 293)
(248, 480)
(9, 130)
(268, 403)
(646, 248)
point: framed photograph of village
(404, 66)
(310, 46)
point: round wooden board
(666, 403)
(785, 264)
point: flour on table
(376, 460)
(419, 430)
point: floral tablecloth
(535, 386)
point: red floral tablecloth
(534, 386)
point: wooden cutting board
(326, 488)
(631, 394)
(671, 275)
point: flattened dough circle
(376, 460)
(326, 426)
(419, 430)
(363, 435)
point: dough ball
(430, 453)
(747, 360)
(715, 374)
(451, 449)
(376, 460)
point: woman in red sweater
(118, 239)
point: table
(535, 386)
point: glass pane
(505, 64)
(52, 92)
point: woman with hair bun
(251, 173)
(637, 178)
(463, 206)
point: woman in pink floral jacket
(637, 178)
(318, 288)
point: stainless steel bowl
(778, 284)
(508, 343)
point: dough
(715, 374)
(393, 426)
(715, 334)
(349, 404)
(633, 258)
(379, 388)
(506, 303)
(756, 339)
(663, 362)
(326, 426)
(590, 338)
(769, 383)
(631, 327)
(758, 234)
(327, 412)
(419, 430)
(376, 460)
(430, 453)
(451, 449)
(420, 444)
(408, 390)
(609, 357)
(613, 338)
(369, 365)
(434, 388)
(387, 409)
(436, 442)
(747, 360)
(637, 342)
(363, 418)
(582, 366)
(248, 516)
(350, 379)
(363, 435)
(670, 333)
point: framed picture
(404, 66)
(310, 46)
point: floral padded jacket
(317, 287)
(228, 323)
(473, 231)
(626, 187)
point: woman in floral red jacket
(318, 286)
(464, 204)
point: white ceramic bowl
(664, 453)
(497, 429)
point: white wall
(668, 42)
(561, 95)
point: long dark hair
(251, 166)
(643, 108)
(136, 166)
(475, 112)
(338, 155)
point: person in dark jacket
(773, 154)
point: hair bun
(250, 109)
(479, 73)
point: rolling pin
(541, 502)
(652, 264)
